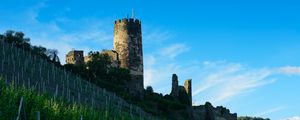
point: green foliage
(207, 104)
(157, 104)
(48, 107)
(18, 40)
(149, 90)
(98, 66)
(118, 75)
(99, 72)
(183, 97)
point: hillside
(80, 91)
(25, 68)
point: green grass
(49, 108)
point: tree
(118, 75)
(17, 39)
(40, 50)
(149, 90)
(98, 66)
(52, 55)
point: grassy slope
(48, 107)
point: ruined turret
(188, 89)
(174, 91)
(182, 93)
(75, 57)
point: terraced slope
(23, 68)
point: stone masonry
(127, 53)
(75, 57)
(176, 88)
(188, 89)
(128, 44)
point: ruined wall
(128, 44)
(188, 89)
(75, 57)
(111, 53)
(115, 62)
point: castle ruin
(75, 57)
(127, 53)
(178, 90)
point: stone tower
(188, 89)
(174, 91)
(128, 44)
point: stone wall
(75, 57)
(176, 89)
(111, 53)
(188, 89)
(128, 44)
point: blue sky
(240, 54)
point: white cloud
(223, 81)
(91, 39)
(86, 34)
(155, 35)
(174, 50)
(290, 70)
(216, 81)
(293, 118)
(270, 111)
(158, 69)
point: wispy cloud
(270, 111)
(156, 74)
(159, 68)
(293, 118)
(174, 50)
(216, 81)
(155, 35)
(223, 81)
(290, 70)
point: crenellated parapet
(128, 21)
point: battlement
(128, 21)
